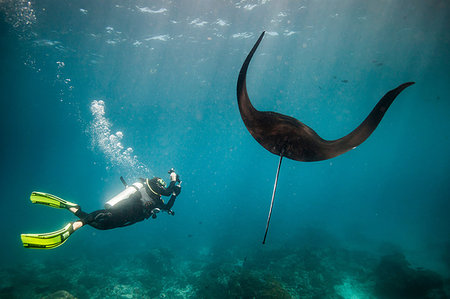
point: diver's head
(157, 186)
(160, 182)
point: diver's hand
(177, 190)
(173, 176)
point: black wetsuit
(132, 209)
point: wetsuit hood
(156, 185)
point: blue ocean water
(95, 90)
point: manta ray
(288, 137)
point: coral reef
(319, 271)
(238, 284)
(394, 278)
(60, 295)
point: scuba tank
(131, 191)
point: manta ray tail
(273, 197)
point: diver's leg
(100, 219)
(84, 217)
(97, 219)
(78, 212)
(77, 224)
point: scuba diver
(137, 202)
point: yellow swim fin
(51, 200)
(47, 240)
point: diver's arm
(173, 179)
(169, 190)
(176, 192)
(169, 205)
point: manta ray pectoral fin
(364, 130)
(277, 132)
(287, 137)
